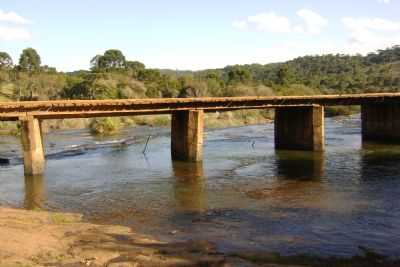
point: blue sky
(195, 35)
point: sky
(194, 35)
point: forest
(113, 76)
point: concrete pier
(187, 135)
(300, 128)
(381, 122)
(32, 143)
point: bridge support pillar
(33, 147)
(187, 135)
(300, 128)
(381, 122)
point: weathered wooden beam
(123, 107)
(300, 128)
(187, 135)
(95, 114)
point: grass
(237, 118)
(59, 218)
(109, 126)
(153, 120)
(4, 98)
(9, 128)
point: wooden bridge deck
(124, 107)
(299, 127)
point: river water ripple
(245, 195)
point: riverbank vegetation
(112, 76)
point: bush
(297, 89)
(153, 120)
(105, 126)
(341, 111)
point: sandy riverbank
(38, 238)
(32, 238)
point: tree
(284, 75)
(135, 67)
(5, 60)
(196, 89)
(111, 60)
(150, 75)
(29, 60)
(238, 74)
(94, 63)
(48, 69)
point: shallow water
(245, 195)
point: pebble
(174, 232)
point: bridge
(299, 120)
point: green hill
(112, 76)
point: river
(244, 196)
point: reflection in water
(298, 183)
(299, 165)
(34, 192)
(189, 188)
(379, 161)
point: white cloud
(314, 23)
(12, 28)
(370, 34)
(270, 22)
(377, 24)
(12, 17)
(241, 25)
(384, 1)
(265, 22)
(14, 33)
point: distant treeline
(113, 76)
